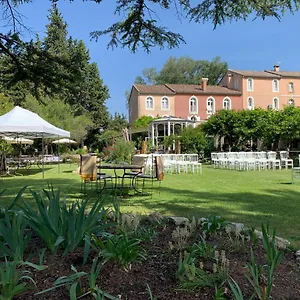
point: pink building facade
(238, 89)
(265, 89)
(192, 102)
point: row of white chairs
(251, 160)
(175, 163)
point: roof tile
(153, 89)
(197, 89)
(285, 73)
(255, 73)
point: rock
(179, 220)
(236, 226)
(280, 242)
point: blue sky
(246, 45)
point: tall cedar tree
(82, 86)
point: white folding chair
(285, 160)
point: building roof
(153, 89)
(197, 89)
(284, 73)
(247, 73)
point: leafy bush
(121, 151)
(13, 236)
(74, 283)
(13, 280)
(202, 249)
(59, 224)
(142, 122)
(193, 278)
(120, 248)
(192, 140)
(212, 224)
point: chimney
(276, 68)
(204, 83)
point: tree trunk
(3, 166)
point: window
(149, 103)
(275, 103)
(275, 85)
(194, 118)
(236, 84)
(226, 103)
(164, 103)
(291, 102)
(250, 84)
(193, 105)
(291, 87)
(210, 106)
(250, 103)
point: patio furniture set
(123, 176)
(25, 162)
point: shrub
(121, 151)
(61, 225)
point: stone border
(280, 242)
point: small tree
(142, 122)
(192, 140)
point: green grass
(249, 197)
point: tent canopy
(64, 141)
(21, 122)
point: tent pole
(43, 156)
(58, 157)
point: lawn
(249, 197)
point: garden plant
(107, 254)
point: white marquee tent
(22, 123)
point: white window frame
(250, 89)
(213, 110)
(250, 107)
(276, 107)
(274, 82)
(196, 102)
(291, 102)
(229, 103)
(291, 87)
(168, 103)
(146, 103)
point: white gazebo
(22, 123)
(158, 129)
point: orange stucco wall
(133, 111)
(285, 95)
(234, 82)
(182, 104)
(157, 110)
(263, 94)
